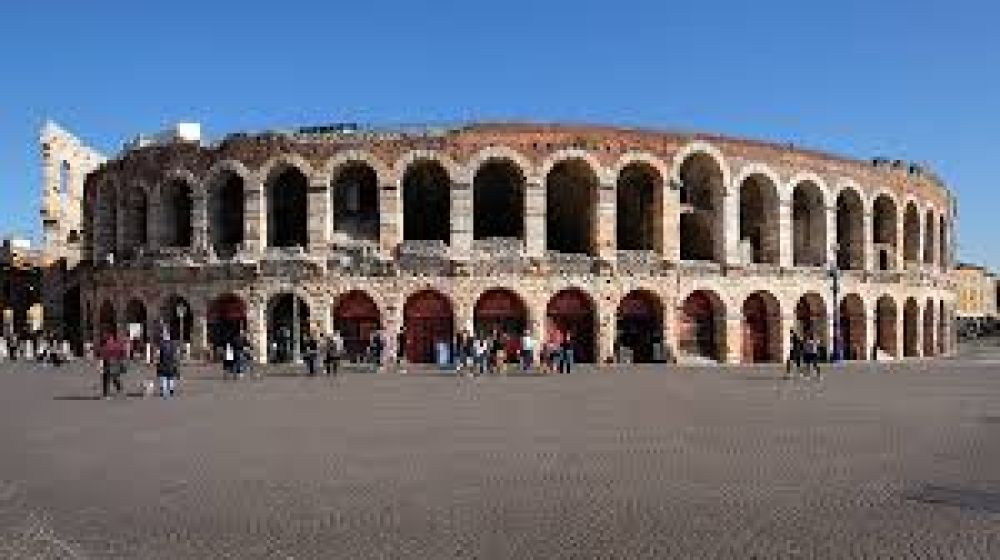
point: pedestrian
(459, 351)
(112, 354)
(810, 350)
(377, 347)
(401, 340)
(311, 354)
(241, 354)
(167, 366)
(567, 355)
(228, 361)
(334, 353)
(794, 353)
(478, 355)
(527, 351)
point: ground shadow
(970, 499)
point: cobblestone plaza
(877, 460)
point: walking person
(567, 354)
(810, 351)
(377, 347)
(794, 353)
(334, 353)
(311, 354)
(527, 351)
(401, 340)
(167, 365)
(112, 354)
(228, 361)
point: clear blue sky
(918, 80)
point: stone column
(670, 233)
(461, 219)
(734, 339)
(730, 228)
(199, 219)
(868, 240)
(787, 323)
(199, 334)
(919, 328)
(257, 326)
(830, 250)
(605, 226)
(871, 326)
(898, 249)
(254, 217)
(605, 331)
(900, 340)
(318, 215)
(786, 257)
(153, 211)
(390, 207)
(534, 217)
(920, 243)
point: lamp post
(834, 273)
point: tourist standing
(311, 354)
(794, 353)
(567, 354)
(112, 354)
(167, 365)
(401, 340)
(810, 351)
(527, 351)
(334, 352)
(228, 361)
(241, 354)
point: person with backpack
(334, 352)
(167, 366)
(810, 351)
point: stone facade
(671, 245)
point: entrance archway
(702, 191)
(426, 202)
(910, 317)
(702, 326)
(287, 208)
(640, 325)
(639, 208)
(571, 312)
(884, 232)
(281, 327)
(498, 200)
(356, 317)
(929, 325)
(911, 234)
(571, 207)
(885, 326)
(176, 204)
(170, 318)
(853, 327)
(500, 310)
(354, 193)
(429, 320)
(226, 213)
(850, 230)
(759, 220)
(761, 328)
(227, 318)
(812, 321)
(808, 225)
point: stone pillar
(254, 217)
(734, 339)
(900, 339)
(390, 207)
(898, 249)
(868, 239)
(461, 219)
(786, 257)
(318, 215)
(605, 226)
(670, 232)
(534, 217)
(730, 228)
(919, 328)
(199, 334)
(605, 331)
(920, 243)
(153, 211)
(871, 326)
(830, 250)
(257, 326)
(787, 323)
(199, 219)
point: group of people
(491, 353)
(114, 354)
(803, 351)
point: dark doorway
(287, 209)
(356, 317)
(429, 321)
(640, 326)
(571, 312)
(426, 202)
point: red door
(570, 311)
(429, 321)
(756, 343)
(356, 316)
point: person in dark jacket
(794, 353)
(112, 353)
(167, 366)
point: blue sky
(915, 80)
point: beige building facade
(976, 288)
(686, 246)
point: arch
(702, 326)
(283, 162)
(227, 320)
(911, 314)
(451, 169)
(911, 233)
(571, 312)
(853, 327)
(284, 332)
(759, 232)
(177, 205)
(929, 328)
(639, 208)
(287, 188)
(355, 316)
(500, 309)
(500, 153)
(357, 157)
(426, 187)
(702, 180)
(354, 197)
(811, 320)
(429, 320)
(640, 325)
(136, 218)
(699, 147)
(135, 314)
(571, 154)
(171, 320)
(498, 198)
(106, 319)
(225, 167)
(808, 224)
(929, 236)
(226, 193)
(761, 328)
(850, 241)
(886, 321)
(571, 198)
(884, 221)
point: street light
(834, 273)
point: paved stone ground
(874, 461)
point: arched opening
(429, 321)
(942, 329)
(942, 244)
(571, 207)
(808, 225)
(287, 208)
(287, 326)
(500, 310)
(426, 202)
(929, 328)
(812, 320)
(135, 320)
(761, 328)
(227, 319)
(108, 220)
(356, 317)
(911, 314)
(639, 208)
(758, 220)
(571, 313)
(136, 218)
(702, 326)
(911, 234)
(72, 323)
(853, 325)
(498, 200)
(226, 214)
(177, 317)
(884, 232)
(640, 326)
(106, 320)
(885, 326)
(850, 230)
(177, 205)
(929, 237)
(355, 203)
(701, 195)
